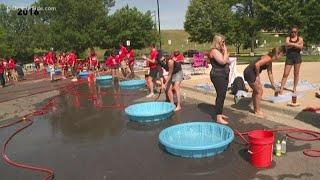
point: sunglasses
(294, 32)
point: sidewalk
(280, 112)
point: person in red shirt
(50, 62)
(2, 69)
(112, 62)
(130, 57)
(154, 69)
(72, 61)
(123, 51)
(11, 67)
(36, 61)
(63, 64)
(93, 60)
(177, 56)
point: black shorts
(156, 73)
(153, 73)
(249, 75)
(293, 59)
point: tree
(247, 11)
(17, 34)
(130, 24)
(237, 35)
(75, 24)
(204, 18)
(280, 15)
(311, 26)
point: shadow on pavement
(309, 118)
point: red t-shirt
(36, 60)
(178, 58)
(44, 58)
(50, 61)
(122, 53)
(11, 64)
(93, 61)
(63, 61)
(49, 58)
(131, 56)
(153, 56)
(72, 59)
(112, 61)
(2, 67)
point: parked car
(188, 56)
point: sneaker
(150, 95)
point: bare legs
(296, 70)
(151, 86)
(178, 93)
(286, 73)
(256, 98)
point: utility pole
(159, 23)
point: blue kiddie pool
(56, 71)
(103, 78)
(196, 139)
(84, 74)
(150, 111)
(132, 84)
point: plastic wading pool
(196, 139)
(132, 84)
(103, 78)
(150, 111)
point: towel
(286, 97)
(303, 85)
(205, 87)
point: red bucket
(261, 148)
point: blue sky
(172, 12)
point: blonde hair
(216, 40)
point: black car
(190, 53)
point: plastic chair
(199, 64)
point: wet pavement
(83, 138)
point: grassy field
(179, 41)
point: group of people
(124, 59)
(69, 64)
(219, 58)
(65, 61)
(8, 71)
(165, 71)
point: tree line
(241, 20)
(72, 25)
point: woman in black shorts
(294, 45)
(252, 75)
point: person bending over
(174, 79)
(252, 75)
